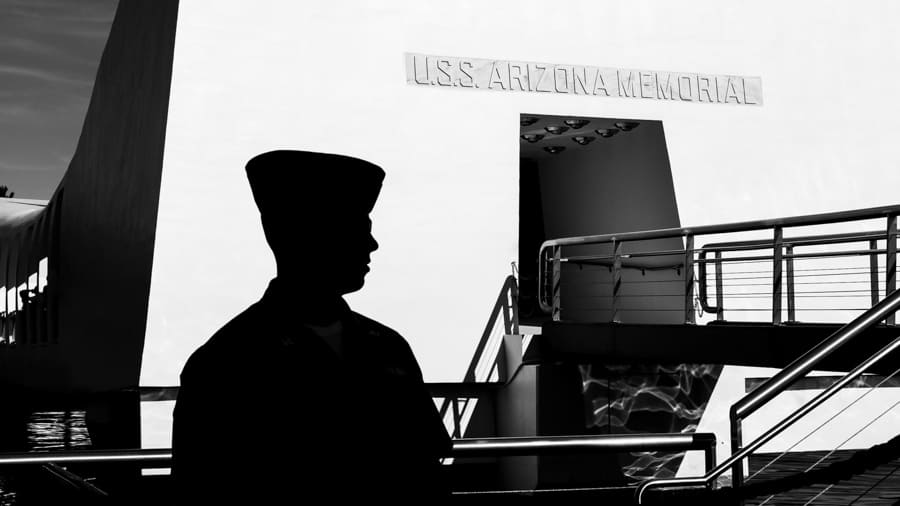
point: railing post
(720, 297)
(689, 316)
(890, 276)
(514, 303)
(737, 469)
(557, 271)
(709, 454)
(506, 311)
(873, 270)
(457, 419)
(617, 278)
(776, 275)
(792, 316)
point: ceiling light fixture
(554, 149)
(606, 133)
(532, 137)
(583, 139)
(556, 129)
(576, 123)
(626, 126)
(527, 120)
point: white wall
(330, 76)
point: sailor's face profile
(315, 214)
(349, 254)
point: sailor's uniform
(274, 409)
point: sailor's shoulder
(232, 342)
(387, 347)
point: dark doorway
(587, 176)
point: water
(47, 431)
(45, 425)
(632, 399)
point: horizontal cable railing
(778, 384)
(808, 274)
(824, 276)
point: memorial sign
(503, 75)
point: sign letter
(516, 74)
(646, 79)
(685, 88)
(496, 77)
(626, 86)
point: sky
(49, 53)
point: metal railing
(869, 274)
(486, 371)
(462, 448)
(552, 256)
(487, 364)
(780, 382)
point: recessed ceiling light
(583, 139)
(554, 149)
(626, 126)
(606, 132)
(527, 120)
(576, 123)
(532, 137)
(556, 129)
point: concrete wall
(331, 77)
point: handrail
(807, 240)
(778, 383)
(510, 446)
(163, 456)
(462, 448)
(806, 362)
(505, 306)
(745, 226)
(814, 240)
(509, 287)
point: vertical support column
(890, 276)
(720, 296)
(617, 278)
(14, 271)
(30, 303)
(689, 316)
(7, 320)
(873, 270)
(4, 282)
(557, 271)
(709, 454)
(792, 313)
(776, 275)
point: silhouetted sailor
(299, 397)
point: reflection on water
(6, 498)
(642, 398)
(58, 430)
(46, 431)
